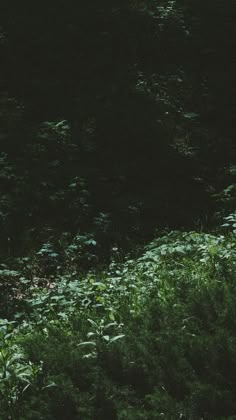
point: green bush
(148, 338)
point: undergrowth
(147, 338)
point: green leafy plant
(17, 374)
(230, 222)
(102, 334)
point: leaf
(180, 249)
(190, 115)
(90, 356)
(118, 337)
(26, 387)
(87, 343)
(100, 285)
(111, 316)
(90, 334)
(91, 242)
(106, 337)
(50, 385)
(92, 322)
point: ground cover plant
(150, 337)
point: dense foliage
(114, 116)
(150, 337)
(117, 210)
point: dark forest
(117, 210)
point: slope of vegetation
(150, 337)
